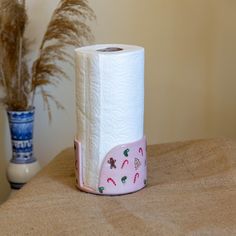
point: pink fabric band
(124, 169)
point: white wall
(190, 69)
(190, 62)
(175, 35)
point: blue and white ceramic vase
(23, 165)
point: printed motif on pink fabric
(112, 162)
(141, 151)
(124, 169)
(135, 177)
(110, 180)
(124, 162)
(137, 163)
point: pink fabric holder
(124, 169)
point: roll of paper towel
(109, 102)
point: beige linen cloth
(191, 191)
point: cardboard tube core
(110, 49)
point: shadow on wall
(4, 185)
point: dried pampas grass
(67, 28)
(13, 69)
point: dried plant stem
(19, 77)
(19, 68)
(4, 83)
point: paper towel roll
(109, 102)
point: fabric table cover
(191, 191)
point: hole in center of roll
(110, 49)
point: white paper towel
(109, 101)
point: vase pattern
(21, 129)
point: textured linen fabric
(191, 191)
